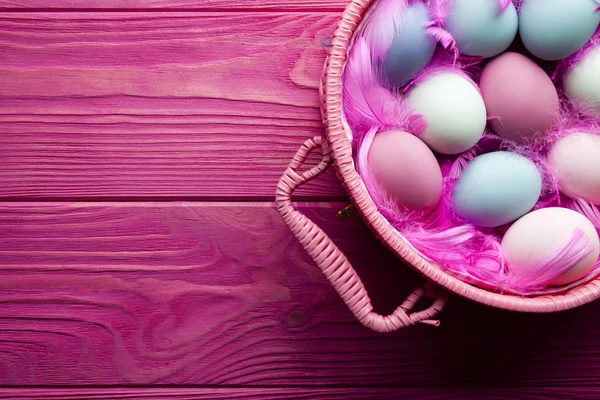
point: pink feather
(366, 103)
(504, 5)
(417, 124)
(443, 36)
(469, 251)
(588, 210)
(517, 4)
(439, 11)
(462, 162)
(383, 25)
(435, 28)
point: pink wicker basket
(337, 150)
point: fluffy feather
(416, 124)
(435, 28)
(461, 163)
(474, 255)
(383, 25)
(366, 103)
(439, 11)
(444, 37)
(590, 211)
(504, 5)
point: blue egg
(497, 188)
(481, 28)
(412, 47)
(555, 29)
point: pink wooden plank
(222, 294)
(158, 105)
(542, 393)
(279, 5)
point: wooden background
(140, 253)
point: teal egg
(412, 48)
(481, 28)
(555, 29)
(497, 188)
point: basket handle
(333, 263)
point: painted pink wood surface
(158, 105)
(222, 294)
(197, 5)
(210, 103)
(542, 393)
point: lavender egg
(412, 48)
(555, 29)
(481, 28)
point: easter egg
(481, 28)
(555, 29)
(453, 110)
(582, 82)
(406, 169)
(412, 47)
(497, 188)
(538, 236)
(520, 98)
(575, 161)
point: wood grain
(221, 294)
(154, 106)
(542, 393)
(218, 5)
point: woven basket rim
(341, 151)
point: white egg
(575, 161)
(453, 109)
(539, 235)
(582, 82)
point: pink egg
(406, 169)
(520, 98)
(575, 160)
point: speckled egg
(412, 48)
(453, 110)
(582, 82)
(555, 29)
(520, 98)
(497, 188)
(538, 236)
(575, 161)
(481, 28)
(406, 169)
